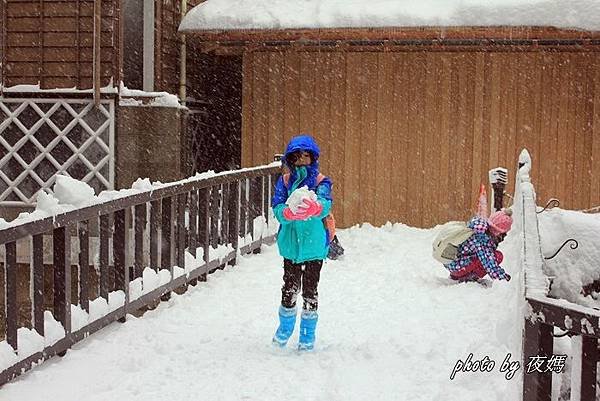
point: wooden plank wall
(51, 42)
(409, 136)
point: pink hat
(500, 221)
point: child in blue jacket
(302, 239)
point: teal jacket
(303, 240)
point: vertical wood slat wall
(51, 42)
(409, 136)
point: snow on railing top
(71, 195)
(526, 221)
(22, 88)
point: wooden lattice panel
(40, 138)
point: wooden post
(10, 278)
(180, 241)
(204, 225)
(256, 205)
(139, 225)
(538, 342)
(193, 230)
(583, 372)
(62, 277)
(234, 216)
(97, 50)
(214, 215)
(243, 223)
(105, 282)
(166, 260)
(119, 254)
(266, 198)
(37, 272)
(84, 267)
(154, 223)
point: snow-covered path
(391, 327)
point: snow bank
(282, 14)
(386, 306)
(571, 269)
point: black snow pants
(301, 274)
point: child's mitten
(311, 207)
(300, 215)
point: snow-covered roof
(286, 14)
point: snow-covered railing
(535, 282)
(178, 233)
(544, 314)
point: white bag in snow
(296, 198)
(445, 244)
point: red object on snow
(482, 203)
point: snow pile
(134, 97)
(282, 14)
(69, 194)
(387, 306)
(298, 196)
(571, 268)
(73, 192)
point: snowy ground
(391, 327)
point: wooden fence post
(583, 371)
(204, 226)
(234, 216)
(10, 277)
(256, 205)
(538, 342)
(84, 265)
(120, 260)
(166, 240)
(193, 230)
(62, 276)
(105, 280)
(37, 272)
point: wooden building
(410, 120)
(64, 69)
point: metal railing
(129, 240)
(545, 314)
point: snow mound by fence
(571, 268)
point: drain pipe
(97, 63)
(182, 61)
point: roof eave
(391, 33)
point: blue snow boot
(287, 321)
(308, 324)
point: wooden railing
(545, 314)
(129, 239)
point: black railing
(162, 225)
